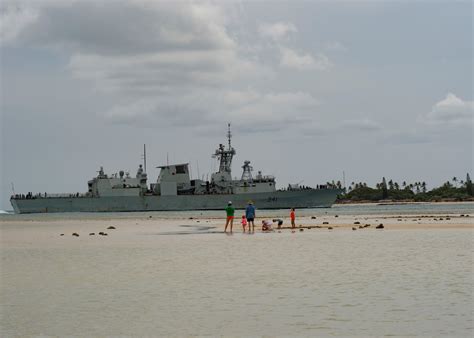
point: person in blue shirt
(250, 215)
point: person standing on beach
(250, 215)
(230, 216)
(244, 223)
(292, 217)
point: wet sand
(47, 231)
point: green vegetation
(458, 190)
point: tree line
(452, 190)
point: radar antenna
(229, 135)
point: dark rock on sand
(313, 217)
(301, 229)
(92, 234)
(329, 228)
(356, 222)
(336, 215)
(75, 234)
(61, 235)
(325, 222)
(353, 228)
(111, 227)
(380, 226)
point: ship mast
(144, 156)
(225, 155)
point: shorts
(249, 219)
(230, 218)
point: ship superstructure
(176, 190)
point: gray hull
(311, 198)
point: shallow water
(337, 209)
(312, 283)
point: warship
(174, 190)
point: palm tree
(423, 186)
(404, 184)
(396, 186)
(384, 188)
(455, 179)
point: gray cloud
(362, 125)
(277, 31)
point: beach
(176, 274)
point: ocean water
(311, 283)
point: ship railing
(31, 196)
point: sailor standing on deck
(230, 216)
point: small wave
(3, 212)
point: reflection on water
(313, 283)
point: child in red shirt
(292, 217)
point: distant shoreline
(401, 202)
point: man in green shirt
(230, 216)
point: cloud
(276, 31)
(171, 63)
(450, 111)
(248, 110)
(14, 19)
(362, 125)
(127, 27)
(335, 46)
(303, 61)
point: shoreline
(401, 202)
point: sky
(312, 89)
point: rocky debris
(313, 217)
(361, 227)
(447, 218)
(325, 222)
(354, 228)
(367, 225)
(380, 226)
(61, 235)
(336, 215)
(75, 234)
(356, 222)
(110, 227)
(92, 234)
(191, 217)
(309, 228)
(329, 228)
(301, 229)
